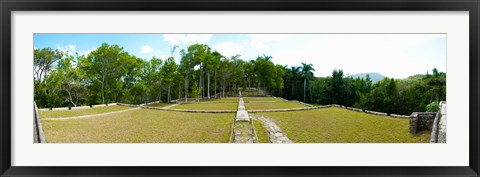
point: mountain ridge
(374, 76)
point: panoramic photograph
(239, 88)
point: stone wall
(38, 136)
(78, 107)
(421, 121)
(442, 123)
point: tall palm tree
(307, 74)
(295, 73)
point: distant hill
(375, 77)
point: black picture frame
(7, 6)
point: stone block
(242, 115)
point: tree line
(110, 74)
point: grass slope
(262, 133)
(223, 100)
(213, 106)
(335, 125)
(142, 126)
(160, 105)
(249, 99)
(273, 105)
(80, 112)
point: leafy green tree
(43, 60)
(68, 79)
(168, 71)
(103, 65)
(263, 69)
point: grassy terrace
(160, 105)
(251, 93)
(262, 133)
(80, 112)
(335, 125)
(250, 99)
(273, 105)
(142, 126)
(223, 100)
(215, 106)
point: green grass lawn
(213, 106)
(160, 105)
(335, 125)
(249, 99)
(142, 126)
(223, 100)
(262, 133)
(80, 112)
(273, 105)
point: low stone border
(434, 135)
(376, 113)
(230, 140)
(129, 105)
(282, 110)
(264, 101)
(209, 102)
(89, 116)
(145, 104)
(38, 135)
(254, 132)
(273, 110)
(189, 110)
(305, 104)
(371, 112)
(399, 116)
(74, 108)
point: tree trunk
(304, 90)
(160, 92)
(215, 76)
(208, 83)
(179, 90)
(223, 90)
(258, 87)
(103, 91)
(168, 97)
(186, 88)
(311, 95)
(201, 81)
(293, 89)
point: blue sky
(393, 55)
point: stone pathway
(243, 128)
(243, 132)
(89, 116)
(276, 135)
(242, 114)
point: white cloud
(70, 48)
(228, 48)
(176, 39)
(146, 49)
(86, 52)
(261, 41)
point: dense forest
(110, 74)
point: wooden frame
(8, 6)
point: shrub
(433, 107)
